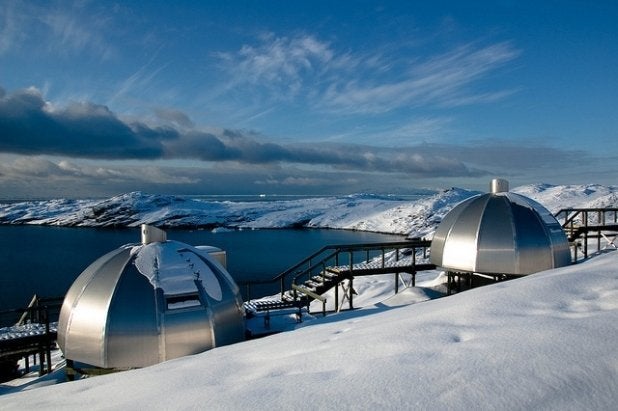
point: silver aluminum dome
(499, 233)
(146, 303)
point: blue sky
(315, 97)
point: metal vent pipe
(152, 234)
(498, 185)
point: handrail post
(282, 285)
(351, 262)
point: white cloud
(442, 80)
(372, 81)
(278, 63)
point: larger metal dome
(499, 233)
(146, 303)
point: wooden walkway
(25, 346)
(33, 334)
(587, 224)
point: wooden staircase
(335, 265)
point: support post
(69, 370)
(47, 340)
(396, 283)
(41, 361)
(337, 295)
(351, 292)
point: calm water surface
(46, 260)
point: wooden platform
(13, 349)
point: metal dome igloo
(146, 303)
(499, 233)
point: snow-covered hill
(546, 341)
(386, 214)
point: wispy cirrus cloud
(11, 34)
(442, 80)
(66, 28)
(371, 81)
(280, 64)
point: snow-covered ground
(545, 341)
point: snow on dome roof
(174, 267)
(499, 233)
(143, 304)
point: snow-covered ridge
(365, 212)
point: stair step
(254, 306)
(312, 284)
(330, 275)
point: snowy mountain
(386, 214)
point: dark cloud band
(31, 126)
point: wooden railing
(16, 344)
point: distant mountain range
(386, 214)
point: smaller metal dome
(499, 233)
(146, 303)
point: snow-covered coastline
(545, 341)
(384, 214)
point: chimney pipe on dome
(152, 234)
(498, 185)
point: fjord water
(46, 260)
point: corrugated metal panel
(116, 315)
(500, 233)
(82, 328)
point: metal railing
(573, 218)
(588, 223)
(337, 255)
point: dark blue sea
(45, 260)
